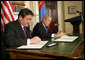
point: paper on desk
(67, 38)
(33, 46)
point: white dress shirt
(28, 40)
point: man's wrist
(52, 35)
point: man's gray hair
(46, 16)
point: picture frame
(18, 3)
(71, 9)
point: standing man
(17, 33)
(42, 31)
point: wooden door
(52, 10)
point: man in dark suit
(42, 31)
(17, 33)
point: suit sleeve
(40, 31)
(12, 37)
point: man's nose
(29, 21)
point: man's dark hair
(24, 12)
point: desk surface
(71, 49)
(64, 47)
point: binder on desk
(66, 38)
(33, 46)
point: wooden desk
(61, 51)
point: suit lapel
(43, 27)
(19, 29)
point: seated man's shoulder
(12, 23)
(38, 24)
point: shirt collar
(22, 26)
(43, 24)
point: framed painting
(71, 9)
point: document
(66, 38)
(33, 46)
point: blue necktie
(46, 29)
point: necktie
(46, 29)
(25, 33)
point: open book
(66, 38)
(33, 46)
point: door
(52, 11)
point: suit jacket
(14, 34)
(4, 53)
(40, 31)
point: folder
(66, 38)
(33, 46)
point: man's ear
(20, 17)
(43, 18)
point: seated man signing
(17, 32)
(42, 31)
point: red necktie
(25, 33)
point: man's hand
(59, 34)
(35, 40)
